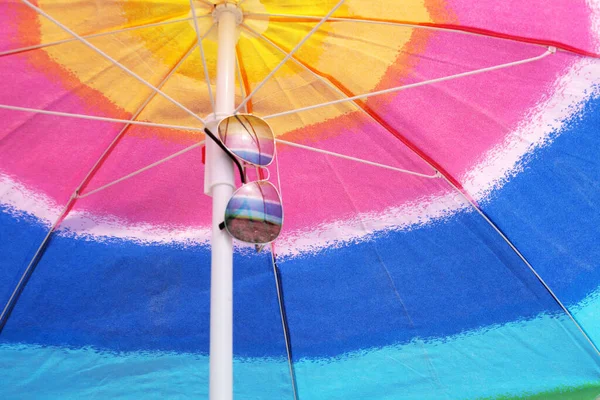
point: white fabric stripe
(567, 98)
(500, 163)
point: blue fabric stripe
(118, 295)
(551, 209)
(516, 358)
(431, 282)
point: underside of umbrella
(437, 162)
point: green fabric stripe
(587, 392)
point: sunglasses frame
(236, 159)
(224, 224)
(253, 116)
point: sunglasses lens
(249, 138)
(254, 213)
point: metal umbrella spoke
(116, 63)
(201, 48)
(289, 55)
(100, 34)
(427, 26)
(548, 52)
(14, 297)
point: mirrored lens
(254, 213)
(249, 138)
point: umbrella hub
(225, 8)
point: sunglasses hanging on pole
(254, 214)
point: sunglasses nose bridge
(260, 173)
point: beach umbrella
(434, 165)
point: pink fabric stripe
(50, 154)
(456, 122)
(172, 193)
(566, 21)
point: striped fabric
(396, 286)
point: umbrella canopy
(438, 169)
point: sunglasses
(254, 214)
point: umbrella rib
(288, 56)
(466, 30)
(318, 76)
(438, 174)
(306, 18)
(279, 141)
(115, 62)
(96, 118)
(359, 160)
(551, 50)
(135, 115)
(201, 48)
(522, 257)
(43, 45)
(284, 322)
(240, 77)
(139, 171)
(10, 304)
(294, 59)
(278, 173)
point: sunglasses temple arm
(235, 160)
(229, 153)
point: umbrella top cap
(228, 7)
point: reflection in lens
(254, 213)
(248, 137)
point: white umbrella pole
(219, 182)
